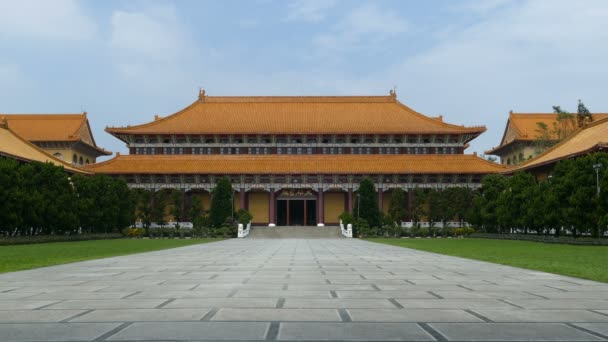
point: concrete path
(287, 290)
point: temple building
(64, 136)
(588, 139)
(297, 160)
(15, 147)
(523, 137)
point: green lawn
(23, 257)
(589, 262)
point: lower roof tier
(296, 164)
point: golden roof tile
(585, 140)
(54, 127)
(296, 164)
(14, 146)
(297, 115)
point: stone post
(271, 205)
(320, 208)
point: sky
(471, 61)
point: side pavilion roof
(14, 146)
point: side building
(524, 137)
(297, 160)
(64, 136)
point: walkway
(340, 289)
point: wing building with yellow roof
(64, 136)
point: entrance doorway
(296, 212)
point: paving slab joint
(344, 316)
(395, 303)
(590, 332)
(113, 332)
(434, 333)
(481, 317)
(273, 331)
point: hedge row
(26, 240)
(545, 239)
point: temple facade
(297, 160)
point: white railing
(243, 232)
(426, 224)
(170, 224)
(348, 231)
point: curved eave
(296, 164)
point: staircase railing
(348, 231)
(243, 232)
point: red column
(242, 198)
(350, 201)
(320, 209)
(380, 198)
(271, 206)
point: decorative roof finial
(3, 122)
(201, 94)
(393, 93)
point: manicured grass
(589, 262)
(23, 257)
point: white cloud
(364, 25)
(526, 56)
(154, 34)
(59, 19)
(309, 10)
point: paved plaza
(287, 290)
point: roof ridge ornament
(201, 94)
(393, 93)
(3, 122)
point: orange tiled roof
(14, 146)
(583, 141)
(297, 115)
(294, 164)
(53, 127)
(523, 126)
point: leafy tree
(396, 209)
(177, 201)
(544, 137)
(366, 205)
(158, 208)
(221, 204)
(11, 196)
(486, 203)
(418, 205)
(584, 116)
(565, 123)
(244, 216)
(197, 214)
(144, 208)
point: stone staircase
(295, 232)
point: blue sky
(470, 61)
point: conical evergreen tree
(366, 205)
(584, 116)
(221, 203)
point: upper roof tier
(54, 127)
(297, 115)
(524, 127)
(14, 146)
(297, 164)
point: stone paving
(289, 290)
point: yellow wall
(386, 201)
(205, 199)
(334, 206)
(237, 202)
(67, 155)
(258, 206)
